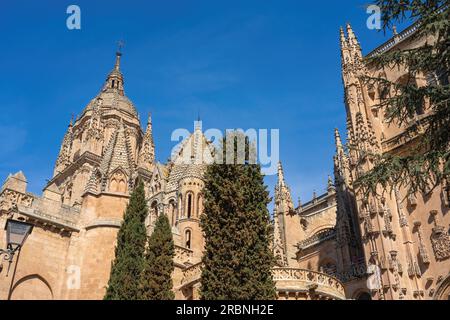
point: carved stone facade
(404, 236)
(69, 253)
(341, 244)
(103, 153)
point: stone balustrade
(183, 255)
(291, 280)
(191, 274)
(288, 280)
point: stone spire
(350, 50)
(290, 229)
(341, 164)
(330, 185)
(342, 38)
(352, 40)
(64, 157)
(283, 199)
(338, 140)
(114, 81)
(147, 152)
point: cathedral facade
(343, 244)
(394, 245)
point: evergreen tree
(128, 264)
(238, 262)
(427, 164)
(156, 278)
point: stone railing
(45, 210)
(317, 238)
(393, 41)
(287, 280)
(192, 274)
(299, 280)
(183, 255)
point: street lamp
(16, 234)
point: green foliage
(237, 263)
(128, 264)
(426, 163)
(156, 278)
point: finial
(72, 120)
(149, 118)
(352, 40)
(394, 30)
(337, 138)
(280, 170)
(198, 125)
(117, 65)
(330, 184)
(120, 46)
(314, 195)
(342, 35)
(299, 202)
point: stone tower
(407, 257)
(103, 153)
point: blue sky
(240, 64)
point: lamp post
(16, 234)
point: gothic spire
(338, 140)
(63, 159)
(147, 152)
(283, 199)
(353, 42)
(343, 40)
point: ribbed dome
(113, 100)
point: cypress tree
(128, 264)
(156, 279)
(237, 263)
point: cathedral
(343, 244)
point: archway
(443, 290)
(32, 287)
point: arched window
(189, 205)
(187, 239)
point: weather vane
(120, 45)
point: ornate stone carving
(440, 239)
(401, 214)
(422, 249)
